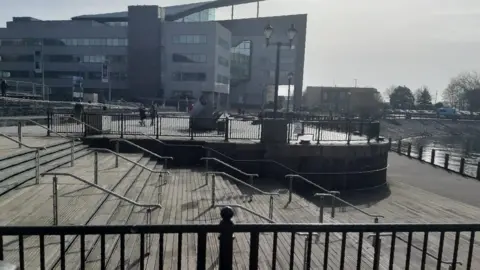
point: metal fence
(270, 246)
(226, 129)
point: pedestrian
(143, 116)
(153, 114)
(3, 87)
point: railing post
(377, 246)
(420, 153)
(349, 135)
(37, 166)
(320, 215)
(432, 157)
(117, 150)
(389, 141)
(213, 190)
(333, 206)
(19, 131)
(445, 165)
(409, 150)
(478, 170)
(270, 210)
(49, 123)
(160, 184)
(95, 167)
(399, 147)
(121, 125)
(227, 129)
(226, 239)
(157, 127)
(190, 129)
(251, 179)
(72, 153)
(206, 167)
(55, 201)
(462, 166)
(290, 188)
(165, 163)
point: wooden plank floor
(187, 200)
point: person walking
(153, 114)
(3, 87)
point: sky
(377, 42)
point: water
(457, 147)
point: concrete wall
(263, 58)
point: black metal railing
(341, 130)
(256, 246)
(442, 158)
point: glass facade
(64, 58)
(223, 61)
(189, 58)
(190, 39)
(202, 16)
(124, 24)
(19, 58)
(115, 42)
(223, 43)
(240, 62)
(189, 76)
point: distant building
(154, 52)
(339, 99)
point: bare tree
(388, 92)
(457, 91)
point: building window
(189, 58)
(112, 42)
(180, 94)
(223, 43)
(223, 61)
(222, 79)
(240, 61)
(190, 39)
(15, 74)
(16, 58)
(189, 76)
(124, 24)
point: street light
(290, 77)
(291, 33)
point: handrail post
(420, 153)
(37, 166)
(165, 163)
(445, 165)
(432, 157)
(156, 128)
(290, 187)
(320, 215)
(227, 128)
(19, 131)
(55, 200)
(95, 168)
(270, 211)
(72, 152)
(160, 183)
(226, 239)
(251, 179)
(117, 150)
(206, 167)
(149, 222)
(49, 123)
(409, 150)
(399, 146)
(121, 125)
(462, 166)
(333, 195)
(213, 190)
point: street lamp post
(291, 33)
(290, 77)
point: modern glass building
(155, 53)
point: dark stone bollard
(226, 239)
(399, 147)
(478, 170)
(432, 157)
(409, 150)
(420, 153)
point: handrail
(246, 209)
(153, 206)
(230, 166)
(127, 159)
(143, 149)
(46, 128)
(333, 196)
(26, 145)
(81, 122)
(243, 183)
(415, 247)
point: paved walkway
(433, 179)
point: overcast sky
(377, 42)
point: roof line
(208, 5)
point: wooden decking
(186, 199)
